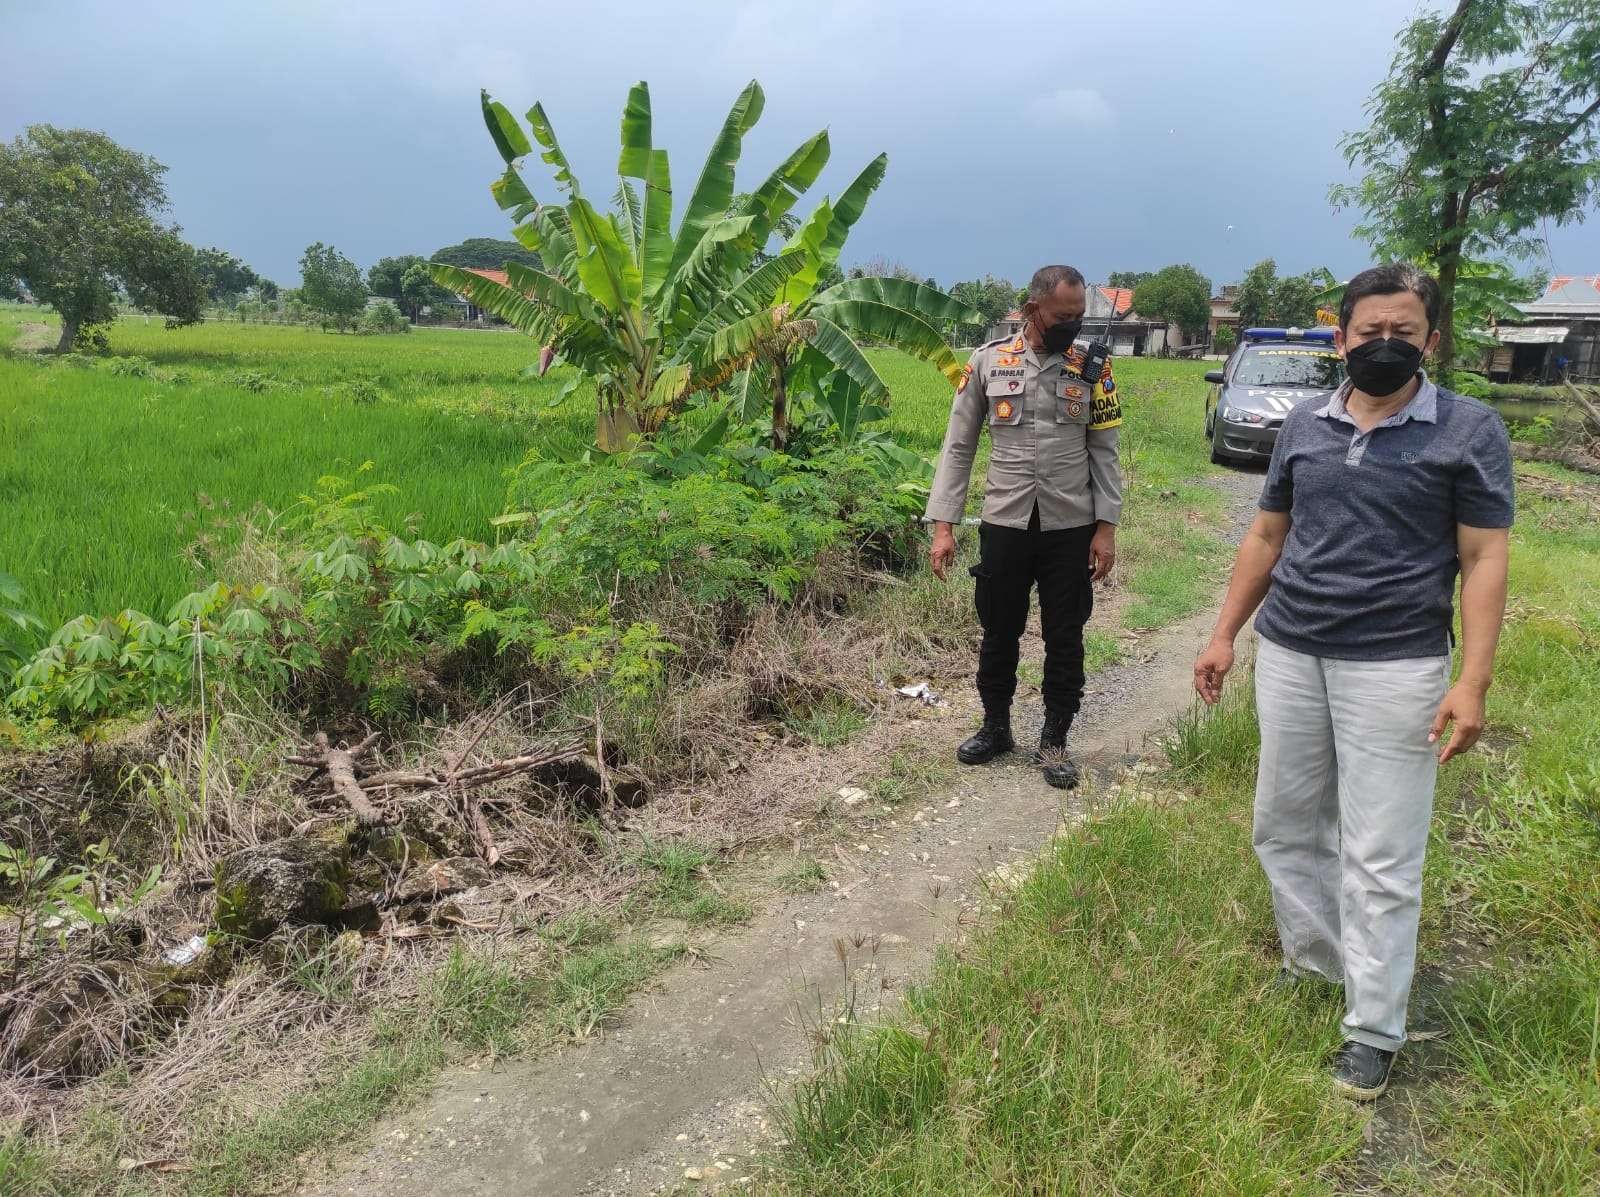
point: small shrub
(254, 381)
(383, 318)
(132, 367)
(1224, 340)
(1465, 382)
(362, 390)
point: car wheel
(1219, 459)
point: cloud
(1074, 105)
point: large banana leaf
(508, 136)
(896, 326)
(850, 206)
(752, 294)
(699, 271)
(634, 160)
(751, 391)
(770, 202)
(512, 194)
(545, 135)
(547, 289)
(714, 190)
(925, 301)
(607, 270)
(833, 343)
(808, 240)
(630, 216)
(656, 250)
(587, 344)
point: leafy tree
(1225, 339)
(990, 297)
(79, 220)
(1289, 302)
(224, 276)
(386, 276)
(267, 289)
(1487, 124)
(486, 253)
(330, 284)
(418, 290)
(1131, 279)
(655, 316)
(1254, 299)
(1180, 295)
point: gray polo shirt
(1369, 567)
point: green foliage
(45, 896)
(383, 317)
(19, 627)
(224, 277)
(1130, 279)
(1264, 299)
(386, 275)
(991, 298)
(485, 253)
(655, 317)
(79, 219)
(331, 285)
(1226, 338)
(1180, 295)
(1487, 125)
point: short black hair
(1047, 278)
(1390, 279)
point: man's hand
(1210, 668)
(943, 554)
(1103, 550)
(1463, 706)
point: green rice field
(109, 467)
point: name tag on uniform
(1007, 371)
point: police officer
(1050, 512)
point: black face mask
(1381, 367)
(1058, 338)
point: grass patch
(1101, 650)
(912, 774)
(801, 875)
(683, 887)
(827, 724)
(1112, 1032)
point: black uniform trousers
(1011, 562)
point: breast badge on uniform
(1075, 407)
(1003, 409)
(1007, 359)
(1074, 392)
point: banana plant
(655, 314)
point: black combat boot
(990, 740)
(1362, 1071)
(1059, 769)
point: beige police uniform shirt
(1053, 439)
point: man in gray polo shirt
(1373, 503)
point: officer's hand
(1103, 550)
(1210, 668)
(943, 554)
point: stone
(443, 877)
(293, 880)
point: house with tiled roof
(1557, 336)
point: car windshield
(1289, 366)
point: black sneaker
(1060, 770)
(1362, 1071)
(991, 740)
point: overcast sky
(1112, 135)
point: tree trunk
(69, 334)
(780, 406)
(1449, 267)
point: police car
(1271, 371)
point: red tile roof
(494, 276)
(1561, 280)
(1121, 298)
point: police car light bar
(1289, 334)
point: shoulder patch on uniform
(1106, 410)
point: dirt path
(679, 1086)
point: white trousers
(1343, 799)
